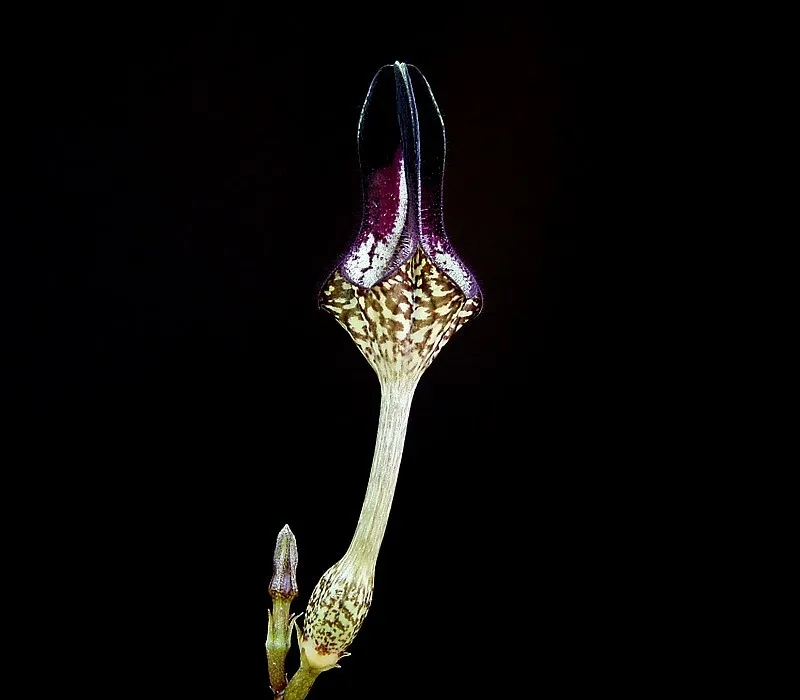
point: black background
(189, 180)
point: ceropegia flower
(401, 292)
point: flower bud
(283, 584)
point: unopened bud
(283, 584)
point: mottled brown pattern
(401, 324)
(336, 609)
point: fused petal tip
(401, 290)
(401, 145)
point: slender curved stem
(396, 398)
(341, 599)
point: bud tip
(284, 566)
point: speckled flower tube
(401, 292)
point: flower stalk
(300, 685)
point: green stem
(301, 683)
(279, 639)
